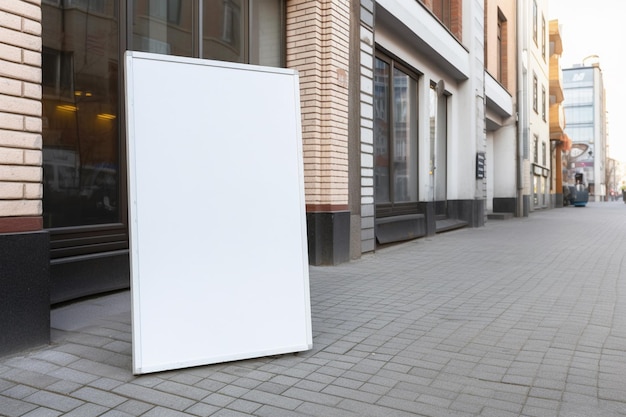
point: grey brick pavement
(524, 317)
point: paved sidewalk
(523, 317)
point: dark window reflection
(381, 127)
(80, 113)
(242, 31)
(223, 30)
(231, 30)
(163, 27)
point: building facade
(422, 120)
(501, 94)
(559, 141)
(405, 132)
(585, 124)
(533, 71)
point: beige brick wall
(317, 46)
(21, 187)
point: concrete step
(499, 216)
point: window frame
(543, 102)
(543, 37)
(535, 18)
(535, 94)
(502, 31)
(170, 15)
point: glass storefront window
(245, 31)
(242, 31)
(223, 27)
(163, 27)
(81, 79)
(395, 136)
(80, 110)
(404, 128)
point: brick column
(318, 37)
(24, 248)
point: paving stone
(351, 393)
(54, 401)
(164, 412)
(152, 396)
(99, 397)
(218, 400)
(106, 384)
(63, 387)
(201, 409)
(42, 412)
(134, 407)
(272, 400)
(87, 410)
(32, 364)
(33, 379)
(182, 390)
(372, 410)
(19, 391)
(317, 409)
(101, 370)
(55, 357)
(67, 374)
(15, 408)
(244, 406)
(263, 411)
(312, 396)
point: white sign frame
(218, 248)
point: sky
(597, 28)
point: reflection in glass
(405, 152)
(580, 114)
(381, 131)
(395, 135)
(266, 32)
(242, 31)
(80, 113)
(163, 26)
(223, 27)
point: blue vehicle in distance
(578, 195)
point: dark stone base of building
(82, 276)
(504, 205)
(399, 228)
(328, 237)
(24, 291)
(470, 211)
(557, 200)
(526, 206)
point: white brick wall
(21, 189)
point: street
(522, 317)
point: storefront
(84, 176)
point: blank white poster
(219, 266)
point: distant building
(559, 141)
(533, 74)
(585, 124)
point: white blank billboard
(219, 267)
